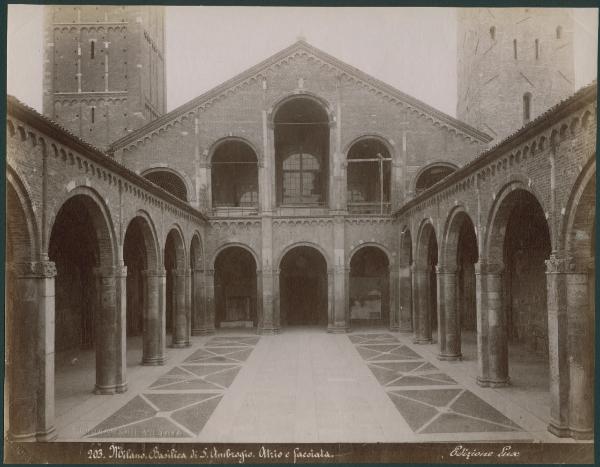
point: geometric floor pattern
(429, 400)
(180, 402)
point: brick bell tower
(104, 69)
(513, 64)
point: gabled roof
(302, 46)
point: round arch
(196, 251)
(243, 246)
(149, 234)
(425, 233)
(372, 135)
(214, 147)
(104, 225)
(406, 246)
(313, 245)
(322, 102)
(379, 246)
(23, 221)
(451, 233)
(183, 179)
(441, 164)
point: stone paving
(304, 385)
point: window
(301, 182)
(93, 114)
(537, 49)
(234, 175)
(526, 107)
(493, 33)
(515, 48)
(559, 32)
(92, 49)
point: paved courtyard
(302, 385)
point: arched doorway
(301, 153)
(175, 306)
(144, 339)
(88, 333)
(425, 280)
(458, 309)
(369, 176)
(303, 287)
(234, 176)
(369, 287)
(519, 244)
(235, 288)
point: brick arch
(243, 246)
(577, 229)
(372, 135)
(321, 101)
(21, 222)
(101, 219)
(425, 233)
(150, 237)
(451, 236)
(315, 246)
(185, 179)
(179, 240)
(406, 246)
(379, 246)
(196, 251)
(497, 220)
(422, 170)
(227, 139)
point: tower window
(493, 33)
(559, 32)
(537, 49)
(526, 107)
(515, 48)
(93, 114)
(92, 49)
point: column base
(105, 390)
(22, 438)
(450, 357)
(338, 330)
(48, 435)
(153, 361)
(561, 431)
(121, 388)
(582, 434)
(267, 331)
(179, 345)
(489, 383)
(423, 340)
(202, 332)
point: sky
(208, 45)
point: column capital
(33, 269)
(154, 273)
(110, 271)
(567, 264)
(209, 272)
(441, 269)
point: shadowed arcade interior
(369, 287)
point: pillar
(188, 306)
(110, 318)
(340, 299)
(423, 322)
(30, 362)
(200, 321)
(448, 325)
(179, 337)
(394, 286)
(209, 293)
(269, 279)
(405, 299)
(153, 352)
(492, 338)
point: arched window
(559, 32)
(369, 175)
(301, 152)
(493, 33)
(515, 48)
(431, 175)
(526, 107)
(234, 176)
(168, 181)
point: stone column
(110, 326)
(199, 317)
(492, 338)
(449, 329)
(394, 286)
(339, 324)
(209, 294)
(330, 300)
(188, 306)
(423, 324)
(30, 361)
(405, 299)
(580, 329)
(153, 352)
(179, 310)
(270, 280)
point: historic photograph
(308, 234)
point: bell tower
(513, 64)
(104, 69)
